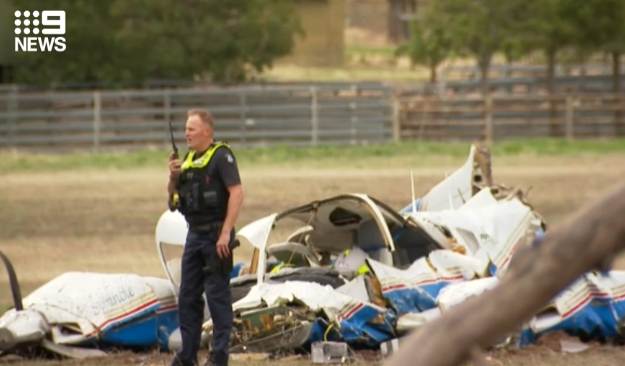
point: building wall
(323, 44)
(382, 17)
(371, 15)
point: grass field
(97, 213)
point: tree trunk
(551, 71)
(619, 127)
(484, 65)
(433, 78)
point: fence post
(167, 114)
(488, 120)
(570, 134)
(314, 118)
(353, 106)
(396, 120)
(13, 109)
(243, 116)
(97, 120)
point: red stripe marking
(136, 310)
(510, 253)
(142, 307)
(351, 312)
(426, 282)
(583, 303)
(167, 308)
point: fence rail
(306, 115)
(296, 115)
(502, 117)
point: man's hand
(174, 166)
(222, 245)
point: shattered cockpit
(337, 224)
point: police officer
(209, 194)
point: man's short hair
(203, 114)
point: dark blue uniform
(203, 199)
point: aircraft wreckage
(348, 268)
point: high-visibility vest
(277, 268)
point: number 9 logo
(58, 24)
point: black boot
(211, 361)
(177, 362)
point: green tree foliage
(430, 41)
(479, 28)
(601, 25)
(549, 30)
(137, 40)
(602, 28)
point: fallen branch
(584, 242)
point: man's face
(197, 133)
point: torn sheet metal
(82, 309)
(593, 307)
(415, 289)
(356, 322)
(452, 192)
(487, 229)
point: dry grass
(53, 223)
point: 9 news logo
(52, 23)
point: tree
(429, 43)
(90, 54)
(551, 29)
(134, 41)
(601, 25)
(478, 28)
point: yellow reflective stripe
(279, 267)
(363, 269)
(189, 162)
(275, 269)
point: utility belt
(205, 227)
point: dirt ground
(53, 223)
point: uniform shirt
(226, 166)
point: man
(209, 193)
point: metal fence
(318, 114)
(245, 116)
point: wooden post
(243, 116)
(570, 133)
(396, 120)
(488, 119)
(314, 117)
(167, 115)
(97, 120)
(587, 240)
